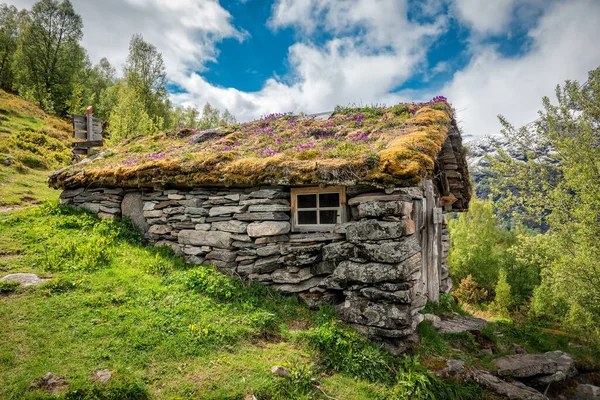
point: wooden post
(90, 124)
(89, 128)
(430, 242)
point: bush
(469, 292)
(479, 245)
(344, 350)
(211, 282)
(446, 305)
(502, 301)
(301, 384)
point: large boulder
(456, 323)
(24, 279)
(540, 369)
(132, 207)
(511, 390)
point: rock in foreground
(24, 279)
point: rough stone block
(196, 211)
(359, 310)
(400, 296)
(132, 207)
(286, 275)
(267, 264)
(223, 255)
(262, 216)
(272, 239)
(269, 208)
(165, 204)
(67, 194)
(375, 230)
(232, 226)
(268, 228)
(269, 194)
(218, 239)
(392, 252)
(222, 210)
(339, 251)
(160, 229)
(315, 237)
(349, 272)
(268, 250)
(370, 197)
(376, 209)
(299, 287)
(322, 268)
(194, 251)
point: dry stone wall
(369, 267)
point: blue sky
(255, 57)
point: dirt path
(5, 209)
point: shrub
(344, 350)
(502, 301)
(59, 285)
(299, 385)
(446, 305)
(479, 245)
(210, 282)
(469, 292)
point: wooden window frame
(294, 192)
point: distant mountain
(481, 148)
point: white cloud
(185, 31)
(373, 50)
(485, 16)
(564, 47)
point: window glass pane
(307, 201)
(307, 217)
(329, 200)
(328, 216)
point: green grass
(36, 143)
(170, 330)
(21, 187)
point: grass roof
(379, 146)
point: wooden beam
(87, 144)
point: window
(316, 209)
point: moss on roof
(380, 146)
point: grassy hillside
(31, 144)
(171, 330)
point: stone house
(345, 208)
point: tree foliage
(9, 34)
(41, 59)
(128, 117)
(562, 192)
(144, 72)
(49, 55)
(478, 244)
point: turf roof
(379, 146)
